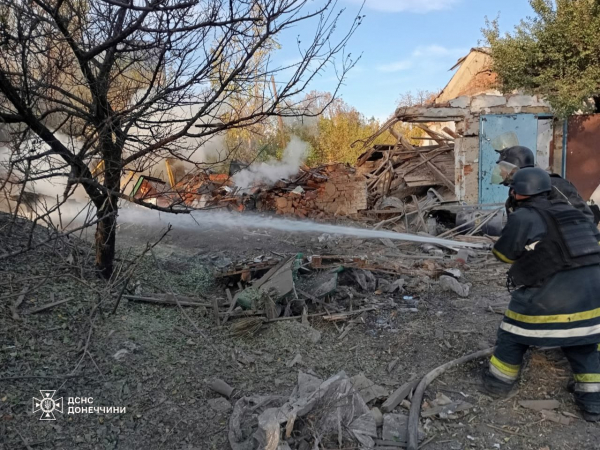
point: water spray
(228, 220)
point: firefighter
(555, 255)
(520, 157)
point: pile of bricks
(338, 191)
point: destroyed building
(484, 120)
(465, 126)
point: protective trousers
(505, 366)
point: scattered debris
(415, 410)
(220, 387)
(297, 360)
(395, 429)
(378, 416)
(169, 300)
(556, 417)
(220, 405)
(446, 411)
(47, 306)
(368, 390)
(313, 335)
(398, 396)
(456, 273)
(448, 283)
(540, 405)
(365, 279)
(349, 422)
(318, 285)
(121, 354)
(344, 316)
(392, 365)
(15, 306)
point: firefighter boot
(495, 387)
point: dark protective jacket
(561, 190)
(564, 308)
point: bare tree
(418, 98)
(129, 82)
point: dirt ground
(140, 359)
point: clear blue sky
(407, 45)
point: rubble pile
(403, 170)
(340, 412)
(195, 190)
(384, 178)
(399, 187)
(335, 288)
(329, 190)
(319, 413)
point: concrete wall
(466, 151)
(544, 143)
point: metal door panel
(583, 153)
(492, 126)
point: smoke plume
(271, 171)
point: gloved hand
(510, 205)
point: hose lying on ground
(417, 399)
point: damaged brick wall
(343, 193)
(466, 112)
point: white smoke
(50, 187)
(270, 172)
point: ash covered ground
(150, 358)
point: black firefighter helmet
(518, 156)
(531, 181)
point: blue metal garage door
(493, 128)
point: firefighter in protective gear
(555, 256)
(521, 157)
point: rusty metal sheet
(583, 153)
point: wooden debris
(382, 444)
(344, 316)
(215, 307)
(244, 268)
(231, 305)
(47, 306)
(248, 326)
(398, 395)
(185, 332)
(168, 300)
(15, 306)
(556, 417)
(402, 170)
(540, 405)
(441, 410)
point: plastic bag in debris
(243, 421)
(336, 408)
